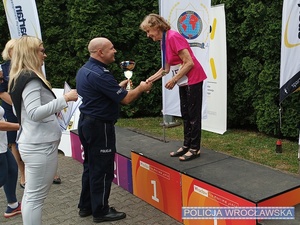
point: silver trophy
(127, 67)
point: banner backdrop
(22, 18)
(216, 101)
(179, 14)
(290, 49)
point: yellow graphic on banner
(213, 68)
(286, 41)
(213, 29)
(212, 60)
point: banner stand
(290, 46)
(299, 152)
(168, 123)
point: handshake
(144, 86)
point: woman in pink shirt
(190, 77)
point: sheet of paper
(65, 115)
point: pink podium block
(123, 172)
(77, 149)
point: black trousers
(99, 142)
(191, 110)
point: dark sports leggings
(8, 175)
(191, 110)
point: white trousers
(40, 167)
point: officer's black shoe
(112, 215)
(85, 212)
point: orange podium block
(286, 199)
(196, 193)
(157, 184)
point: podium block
(123, 172)
(122, 164)
(77, 149)
(288, 198)
(157, 184)
(196, 193)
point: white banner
(216, 100)
(22, 18)
(290, 49)
(198, 38)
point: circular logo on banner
(190, 25)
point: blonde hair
(26, 59)
(154, 21)
(7, 52)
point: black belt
(84, 116)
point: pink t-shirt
(176, 42)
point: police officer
(101, 96)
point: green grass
(248, 145)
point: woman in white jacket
(39, 135)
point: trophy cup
(127, 67)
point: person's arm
(3, 90)
(135, 93)
(159, 74)
(7, 126)
(123, 83)
(187, 65)
(31, 96)
(6, 97)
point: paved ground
(61, 203)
